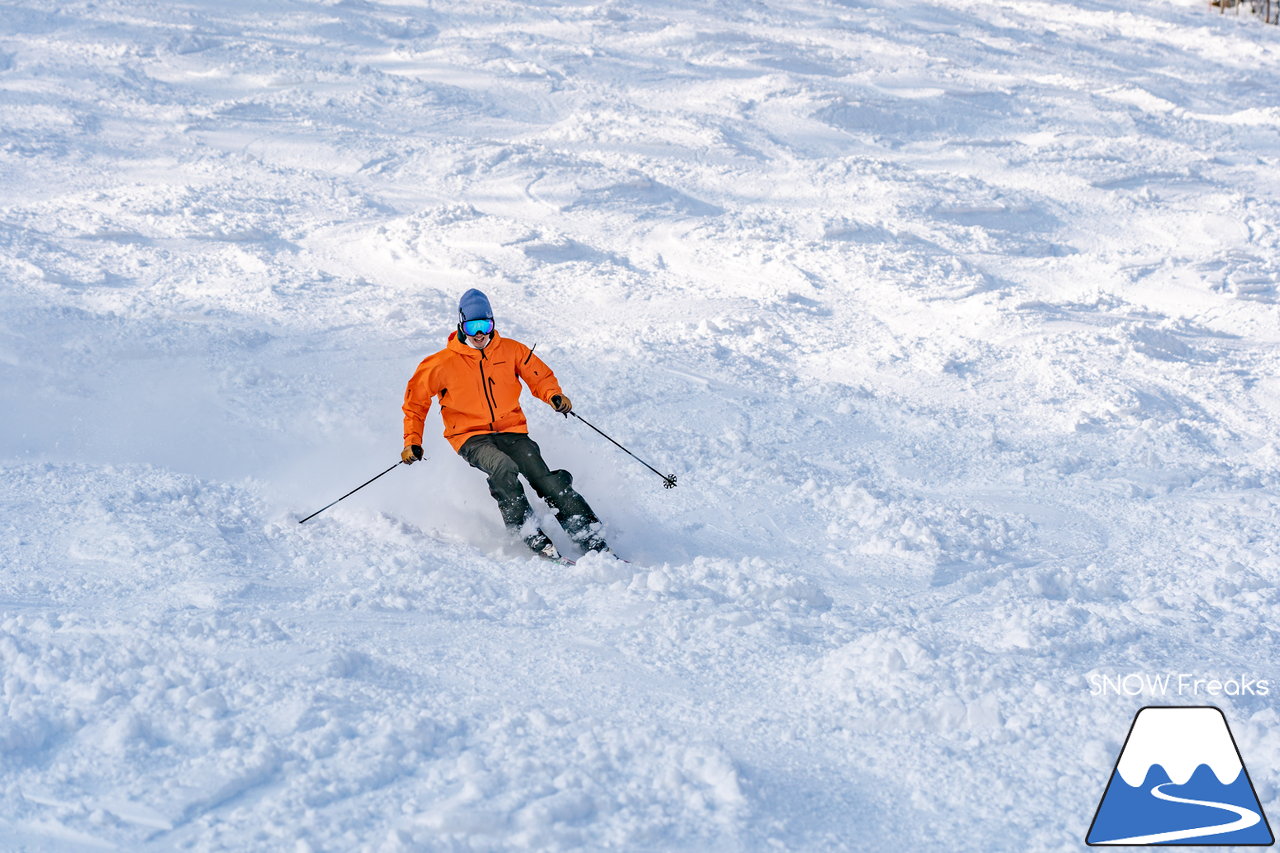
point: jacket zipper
(485, 382)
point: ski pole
(668, 480)
(348, 494)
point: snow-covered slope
(958, 322)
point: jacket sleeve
(417, 402)
(535, 373)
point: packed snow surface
(957, 321)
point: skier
(476, 378)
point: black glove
(561, 404)
(411, 454)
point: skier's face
(477, 331)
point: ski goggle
(471, 328)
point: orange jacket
(479, 390)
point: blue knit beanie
(474, 305)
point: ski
(550, 553)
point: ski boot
(540, 544)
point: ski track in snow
(957, 322)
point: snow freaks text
(1175, 684)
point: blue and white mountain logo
(1179, 780)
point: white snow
(957, 321)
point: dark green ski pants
(504, 456)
